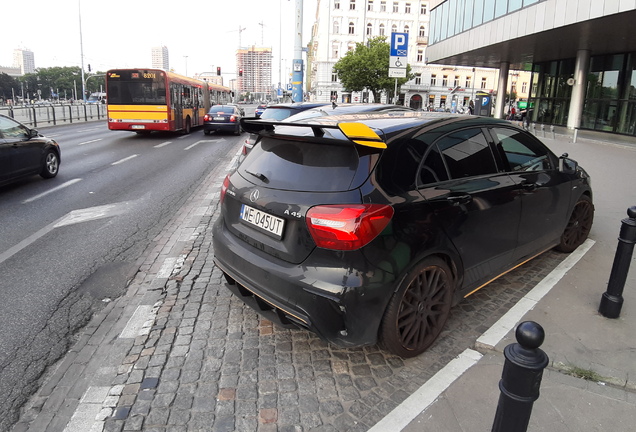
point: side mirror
(567, 165)
(33, 133)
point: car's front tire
(579, 225)
(51, 164)
(419, 309)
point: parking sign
(399, 44)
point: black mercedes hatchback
(369, 228)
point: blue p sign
(399, 44)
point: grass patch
(586, 374)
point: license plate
(138, 127)
(219, 118)
(271, 225)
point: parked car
(222, 118)
(259, 110)
(24, 152)
(371, 230)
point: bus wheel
(186, 130)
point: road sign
(397, 72)
(399, 45)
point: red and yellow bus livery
(145, 100)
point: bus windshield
(137, 88)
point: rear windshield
(221, 108)
(301, 166)
(276, 113)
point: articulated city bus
(145, 100)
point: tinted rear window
(301, 166)
(222, 108)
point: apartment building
(25, 60)
(254, 70)
(160, 58)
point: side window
(466, 153)
(521, 151)
(11, 129)
(433, 169)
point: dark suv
(372, 229)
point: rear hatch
(269, 194)
(221, 113)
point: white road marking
(163, 144)
(423, 397)
(50, 191)
(74, 217)
(91, 141)
(88, 130)
(126, 159)
(199, 142)
(419, 401)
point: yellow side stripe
(362, 134)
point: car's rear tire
(206, 132)
(419, 309)
(579, 225)
(51, 164)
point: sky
(121, 33)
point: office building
(25, 60)
(160, 58)
(581, 55)
(254, 72)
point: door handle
(459, 199)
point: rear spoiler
(358, 133)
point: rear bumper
(343, 305)
(220, 127)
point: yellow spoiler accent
(362, 134)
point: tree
(8, 87)
(367, 67)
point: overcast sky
(121, 33)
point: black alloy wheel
(419, 309)
(579, 225)
(51, 165)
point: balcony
(422, 40)
(415, 87)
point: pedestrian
(471, 107)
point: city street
(178, 350)
(71, 244)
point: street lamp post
(79, 8)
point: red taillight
(226, 184)
(347, 227)
(233, 118)
(206, 118)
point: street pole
(297, 75)
(79, 8)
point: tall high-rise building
(254, 67)
(25, 60)
(160, 58)
(341, 24)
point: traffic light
(89, 67)
(241, 72)
(218, 70)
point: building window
(336, 4)
(369, 29)
(334, 95)
(407, 8)
(352, 4)
(334, 51)
(394, 28)
(381, 29)
(406, 29)
(334, 76)
(418, 80)
(395, 7)
(483, 83)
(336, 27)
(445, 81)
(351, 46)
(420, 55)
(352, 28)
(468, 82)
(383, 6)
(423, 8)
(422, 32)
(524, 87)
(433, 79)
(456, 82)
(370, 5)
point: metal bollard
(543, 130)
(520, 379)
(612, 299)
(534, 129)
(552, 130)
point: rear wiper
(259, 176)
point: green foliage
(367, 67)
(62, 80)
(8, 86)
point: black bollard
(612, 300)
(520, 379)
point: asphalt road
(72, 243)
